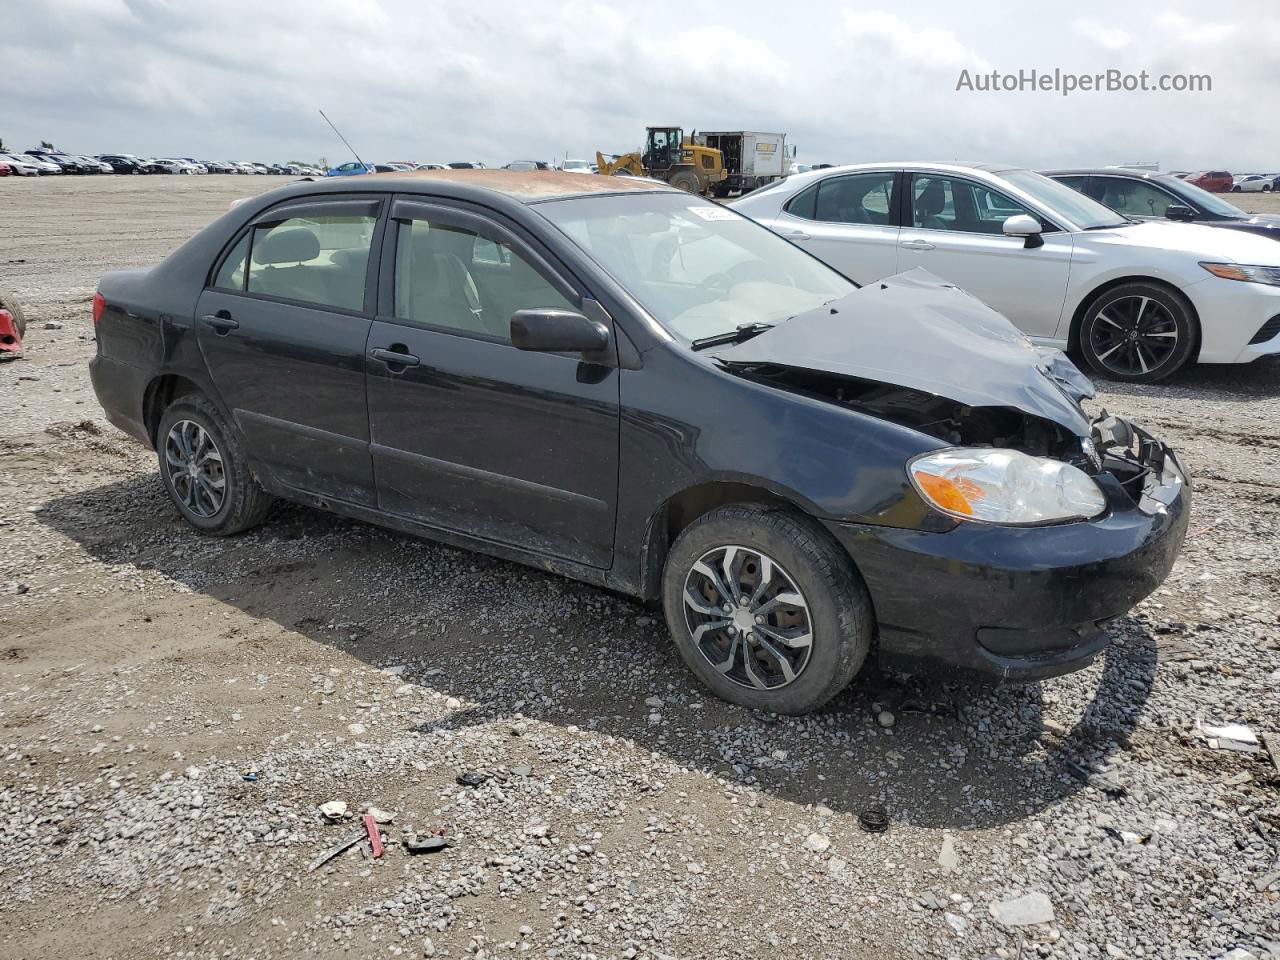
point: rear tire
(792, 580)
(1166, 333)
(9, 302)
(239, 502)
(684, 180)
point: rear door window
(1137, 198)
(312, 259)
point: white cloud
(508, 79)
(1109, 37)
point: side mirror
(1021, 225)
(557, 331)
(1027, 227)
(1178, 211)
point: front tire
(766, 609)
(686, 181)
(1138, 333)
(204, 469)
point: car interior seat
(279, 261)
(441, 289)
(929, 204)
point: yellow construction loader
(668, 156)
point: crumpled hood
(916, 330)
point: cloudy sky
(497, 80)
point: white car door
(848, 222)
(955, 230)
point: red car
(5, 170)
(1215, 181)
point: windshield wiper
(744, 331)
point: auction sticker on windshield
(714, 213)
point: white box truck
(750, 159)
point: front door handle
(916, 245)
(221, 322)
(395, 357)
(795, 235)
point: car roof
(525, 186)
(1131, 172)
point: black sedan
(1161, 196)
(122, 164)
(626, 384)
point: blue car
(352, 169)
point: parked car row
(45, 162)
(1221, 181)
(357, 168)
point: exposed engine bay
(951, 422)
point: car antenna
(344, 140)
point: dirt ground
(173, 709)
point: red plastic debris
(10, 342)
(375, 838)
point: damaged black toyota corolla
(643, 390)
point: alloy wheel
(1133, 335)
(195, 468)
(747, 617)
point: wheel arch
(682, 508)
(1088, 300)
(163, 390)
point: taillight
(98, 304)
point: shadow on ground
(509, 639)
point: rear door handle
(222, 322)
(394, 358)
(916, 245)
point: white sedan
(1252, 183)
(22, 166)
(1137, 299)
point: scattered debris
(472, 778)
(333, 809)
(429, 844)
(375, 838)
(1023, 911)
(1107, 781)
(874, 819)
(249, 776)
(333, 851)
(1231, 736)
(380, 815)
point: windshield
(1208, 201)
(1063, 200)
(699, 268)
(576, 165)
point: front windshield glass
(699, 268)
(1059, 198)
(1208, 201)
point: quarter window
(947, 203)
(464, 281)
(320, 260)
(230, 275)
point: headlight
(1240, 271)
(1005, 486)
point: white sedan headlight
(1005, 486)
(1246, 272)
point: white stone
(817, 843)
(1024, 910)
(334, 809)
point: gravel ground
(174, 709)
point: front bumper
(1231, 314)
(1022, 603)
